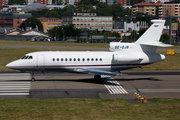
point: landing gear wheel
(97, 77)
(32, 79)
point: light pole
(126, 27)
(134, 26)
(63, 34)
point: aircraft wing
(97, 72)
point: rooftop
(143, 3)
(42, 19)
(158, 3)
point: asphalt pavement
(152, 84)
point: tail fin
(152, 35)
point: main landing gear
(97, 77)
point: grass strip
(87, 109)
(8, 42)
(53, 43)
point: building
(154, 1)
(45, 2)
(157, 4)
(28, 2)
(9, 20)
(2, 3)
(169, 9)
(49, 2)
(34, 6)
(72, 2)
(6, 1)
(144, 7)
(14, 8)
(88, 20)
(29, 35)
(49, 23)
(122, 2)
(126, 26)
(110, 2)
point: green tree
(61, 32)
(141, 31)
(60, 2)
(176, 0)
(104, 33)
(164, 38)
(68, 10)
(19, 2)
(117, 10)
(52, 14)
(38, 14)
(103, 9)
(133, 37)
(31, 22)
(132, 2)
(84, 7)
(87, 2)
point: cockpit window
(23, 57)
(27, 57)
(30, 57)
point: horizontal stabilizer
(160, 44)
(96, 72)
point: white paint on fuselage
(120, 57)
(51, 60)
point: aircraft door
(40, 62)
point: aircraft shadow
(92, 81)
(150, 79)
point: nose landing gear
(32, 77)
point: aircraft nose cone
(9, 65)
(12, 65)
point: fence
(81, 39)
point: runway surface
(152, 84)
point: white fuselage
(68, 61)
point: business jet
(122, 56)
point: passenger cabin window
(66, 59)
